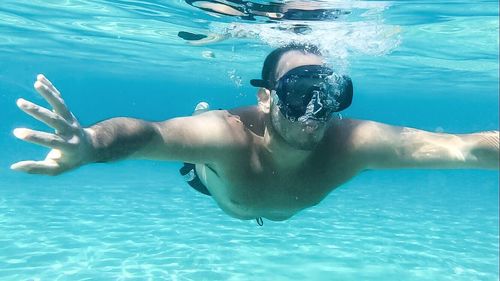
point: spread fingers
(46, 116)
(46, 167)
(54, 99)
(44, 80)
(41, 138)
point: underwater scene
(426, 65)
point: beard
(300, 138)
(303, 143)
(296, 134)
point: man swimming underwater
(267, 161)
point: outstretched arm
(197, 139)
(382, 146)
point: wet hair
(271, 61)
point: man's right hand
(71, 145)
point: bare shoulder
(220, 122)
(356, 142)
(352, 131)
(361, 132)
(202, 138)
(225, 119)
(357, 137)
(251, 117)
(213, 119)
(236, 123)
(218, 116)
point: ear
(264, 99)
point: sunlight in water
(359, 29)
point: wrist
(90, 138)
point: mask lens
(306, 92)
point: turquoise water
(421, 64)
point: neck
(282, 153)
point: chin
(304, 143)
(300, 139)
(306, 146)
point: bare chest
(247, 190)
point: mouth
(310, 127)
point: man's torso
(250, 183)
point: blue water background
(138, 220)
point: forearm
(483, 149)
(119, 138)
(383, 146)
(457, 151)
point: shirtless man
(271, 160)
